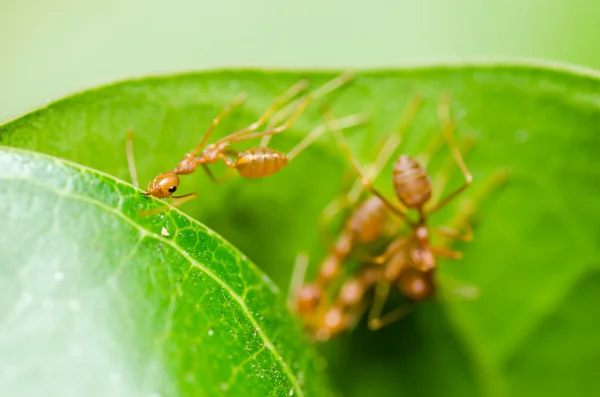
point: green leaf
(535, 255)
(98, 300)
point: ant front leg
(131, 158)
(177, 201)
(448, 127)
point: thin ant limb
(131, 158)
(468, 208)
(445, 252)
(298, 277)
(226, 110)
(177, 201)
(455, 288)
(357, 168)
(389, 147)
(448, 232)
(448, 129)
(210, 174)
(390, 317)
(285, 97)
(385, 152)
(441, 179)
(375, 320)
(323, 90)
(277, 130)
(391, 250)
(317, 132)
(490, 184)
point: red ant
(256, 162)
(408, 262)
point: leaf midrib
(193, 262)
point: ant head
(163, 185)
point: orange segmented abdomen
(259, 162)
(368, 221)
(411, 182)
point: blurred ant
(365, 225)
(408, 262)
(256, 162)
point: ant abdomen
(367, 222)
(411, 182)
(260, 162)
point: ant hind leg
(376, 320)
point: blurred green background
(52, 48)
(49, 48)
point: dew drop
(164, 232)
(211, 332)
(291, 392)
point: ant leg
(332, 209)
(457, 288)
(277, 130)
(445, 252)
(228, 162)
(323, 90)
(285, 97)
(131, 158)
(211, 176)
(390, 251)
(444, 231)
(448, 129)
(382, 292)
(298, 277)
(390, 317)
(385, 152)
(440, 180)
(178, 200)
(390, 145)
(227, 175)
(345, 122)
(357, 168)
(376, 320)
(226, 110)
(468, 207)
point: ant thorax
(422, 235)
(421, 256)
(211, 153)
(187, 165)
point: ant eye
(172, 189)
